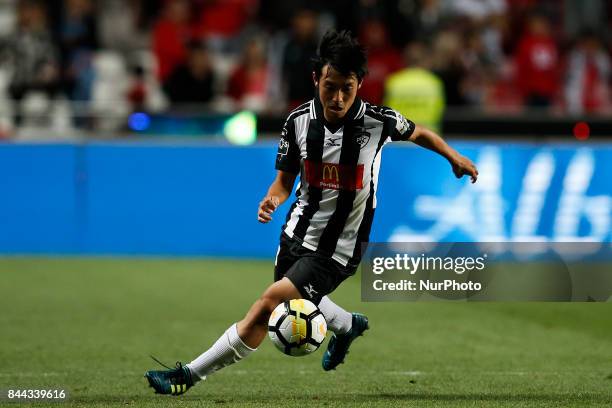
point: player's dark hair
(343, 53)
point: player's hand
(463, 166)
(266, 207)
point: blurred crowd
(85, 63)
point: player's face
(337, 92)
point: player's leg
(315, 277)
(346, 328)
(254, 327)
(237, 342)
(245, 336)
(338, 320)
(341, 323)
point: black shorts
(314, 275)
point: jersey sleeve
(288, 154)
(403, 128)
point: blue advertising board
(525, 192)
(201, 200)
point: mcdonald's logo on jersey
(334, 176)
(330, 173)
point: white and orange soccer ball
(297, 327)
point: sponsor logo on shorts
(310, 290)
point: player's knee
(267, 305)
(259, 314)
(275, 294)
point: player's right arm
(279, 191)
(288, 167)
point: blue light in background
(139, 121)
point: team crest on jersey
(363, 140)
(362, 136)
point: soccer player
(333, 142)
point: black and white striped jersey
(338, 169)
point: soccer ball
(297, 327)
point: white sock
(228, 349)
(338, 320)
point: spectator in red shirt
(170, 35)
(383, 60)
(249, 81)
(537, 59)
(224, 18)
(588, 74)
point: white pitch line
(49, 374)
(413, 373)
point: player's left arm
(407, 130)
(429, 139)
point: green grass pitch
(89, 325)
